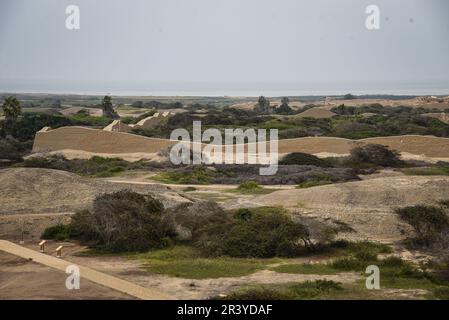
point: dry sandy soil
(367, 206)
(34, 190)
(32, 199)
(24, 279)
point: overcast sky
(225, 47)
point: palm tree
(11, 109)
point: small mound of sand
(367, 206)
(34, 190)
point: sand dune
(367, 206)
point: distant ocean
(217, 90)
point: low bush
(300, 158)
(262, 232)
(317, 179)
(251, 187)
(12, 149)
(312, 289)
(58, 232)
(124, 221)
(430, 223)
(375, 154)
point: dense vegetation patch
(262, 232)
(94, 167)
(374, 154)
(188, 262)
(430, 223)
(237, 174)
(300, 158)
(59, 232)
(124, 221)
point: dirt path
(197, 186)
(87, 273)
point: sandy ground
(24, 279)
(367, 206)
(47, 283)
(133, 272)
(33, 190)
(85, 272)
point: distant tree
(263, 105)
(349, 96)
(11, 109)
(284, 108)
(344, 110)
(108, 109)
(137, 104)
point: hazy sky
(225, 47)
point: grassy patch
(318, 268)
(296, 291)
(428, 171)
(318, 179)
(186, 262)
(93, 167)
(251, 187)
(196, 176)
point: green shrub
(58, 232)
(312, 289)
(264, 233)
(124, 221)
(374, 154)
(429, 223)
(305, 159)
(317, 179)
(11, 149)
(249, 186)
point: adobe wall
(94, 140)
(101, 141)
